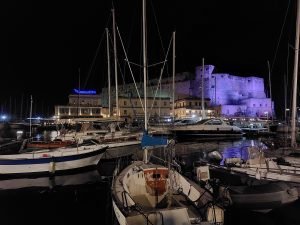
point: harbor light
(3, 117)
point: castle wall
(235, 94)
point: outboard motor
(214, 157)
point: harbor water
(84, 197)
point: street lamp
(285, 116)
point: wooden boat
(51, 161)
(57, 143)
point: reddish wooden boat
(49, 144)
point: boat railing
(137, 207)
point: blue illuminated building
(232, 95)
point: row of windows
(125, 112)
(85, 102)
(136, 103)
(73, 111)
(182, 104)
(266, 105)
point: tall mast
(295, 78)
(145, 62)
(271, 112)
(115, 59)
(173, 87)
(30, 116)
(78, 97)
(202, 89)
(145, 75)
(285, 96)
(108, 73)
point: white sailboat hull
(51, 161)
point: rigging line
(161, 73)
(161, 42)
(135, 64)
(130, 70)
(159, 35)
(280, 36)
(96, 54)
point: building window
(190, 104)
(260, 104)
(125, 103)
(125, 112)
(196, 103)
(135, 103)
(253, 105)
(165, 103)
(155, 103)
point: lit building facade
(132, 108)
(82, 104)
(237, 96)
(229, 95)
(192, 107)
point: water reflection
(47, 183)
(240, 149)
(188, 153)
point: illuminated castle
(234, 95)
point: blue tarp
(153, 142)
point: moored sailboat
(147, 193)
(51, 161)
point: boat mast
(108, 72)
(271, 108)
(145, 75)
(202, 89)
(30, 116)
(173, 87)
(295, 78)
(115, 60)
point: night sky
(44, 44)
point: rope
(130, 70)
(280, 36)
(96, 54)
(161, 73)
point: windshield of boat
(210, 122)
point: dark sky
(44, 43)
